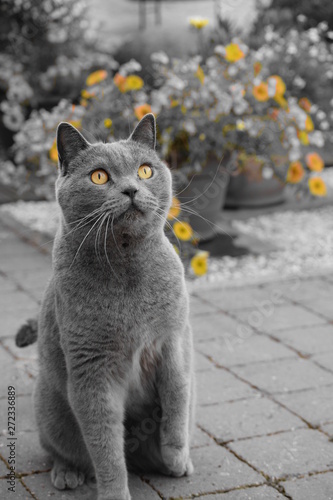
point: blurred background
(242, 94)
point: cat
(115, 389)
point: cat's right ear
(69, 143)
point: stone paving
(264, 363)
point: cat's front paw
(177, 460)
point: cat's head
(124, 181)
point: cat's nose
(130, 192)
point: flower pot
(204, 197)
(246, 190)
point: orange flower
(309, 124)
(257, 67)
(141, 110)
(274, 113)
(96, 77)
(295, 172)
(87, 95)
(53, 152)
(233, 52)
(119, 80)
(317, 186)
(260, 92)
(314, 161)
(280, 85)
(174, 209)
(305, 104)
(303, 137)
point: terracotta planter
(205, 195)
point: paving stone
(314, 405)
(256, 493)
(325, 360)
(218, 325)
(271, 319)
(11, 322)
(322, 306)
(328, 428)
(22, 262)
(6, 285)
(14, 373)
(40, 485)
(216, 385)
(240, 298)
(200, 438)
(235, 350)
(285, 375)
(22, 353)
(198, 307)
(283, 455)
(215, 469)
(20, 492)
(14, 301)
(32, 280)
(303, 291)
(30, 456)
(319, 486)
(246, 418)
(24, 418)
(201, 363)
(314, 339)
(3, 467)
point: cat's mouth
(132, 212)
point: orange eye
(145, 172)
(99, 176)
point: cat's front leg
(98, 403)
(175, 389)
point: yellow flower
(199, 263)
(314, 161)
(260, 92)
(295, 172)
(174, 103)
(198, 22)
(280, 87)
(282, 101)
(53, 152)
(174, 209)
(309, 126)
(119, 80)
(200, 75)
(183, 109)
(75, 123)
(107, 123)
(317, 186)
(96, 77)
(240, 125)
(84, 103)
(87, 95)
(305, 104)
(183, 230)
(233, 52)
(303, 137)
(202, 137)
(142, 110)
(133, 82)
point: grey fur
(115, 344)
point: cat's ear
(69, 143)
(145, 131)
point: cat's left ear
(69, 143)
(145, 131)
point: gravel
(302, 242)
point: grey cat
(115, 389)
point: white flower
(190, 127)
(159, 57)
(316, 138)
(321, 115)
(294, 154)
(324, 125)
(271, 87)
(131, 66)
(220, 50)
(299, 82)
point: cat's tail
(27, 334)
